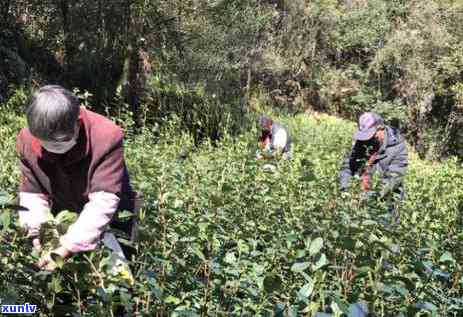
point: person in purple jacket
(71, 159)
(377, 148)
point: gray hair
(53, 111)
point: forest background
(205, 61)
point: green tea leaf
(272, 283)
(172, 300)
(306, 291)
(124, 215)
(5, 219)
(66, 217)
(321, 262)
(230, 258)
(426, 306)
(359, 309)
(5, 199)
(299, 267)
(315, 246)
(447, 257)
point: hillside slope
(220, 236)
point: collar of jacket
(77, 153)
(391, 138)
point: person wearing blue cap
(376, 148)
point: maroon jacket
(96, 163)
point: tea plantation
(220, 236)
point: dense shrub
(400, 58)
(220, 236)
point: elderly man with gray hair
(71, 159)
(376, 148)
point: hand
(35, 240)
(46, 261)
(37, 245)
(265, 146)
(62, 252)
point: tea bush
(219, 236)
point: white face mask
(59, 147)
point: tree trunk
(124, 79)
(68, 51)
(5, 9)
(247, 94)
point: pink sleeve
(38, 206)
(85, 233)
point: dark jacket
(391, 161)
